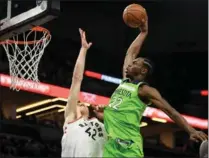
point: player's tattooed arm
(161, 103)
(71, 107)
(135, 47)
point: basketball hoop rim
(37, 29)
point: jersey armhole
(141, 84)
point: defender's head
(83, 109)
(139, 69)
(86, 110)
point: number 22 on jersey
(115, 102)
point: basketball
(134, 15)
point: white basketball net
(24, 58)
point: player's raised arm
(159, 102)
(135, 47)
(71, 111)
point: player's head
(86, 110)
(83, 109)
(140, 69)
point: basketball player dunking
(123, 115)
(82, 137)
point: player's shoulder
(143, 86)
(146, 91)
(144, 94)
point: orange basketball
(134, 15)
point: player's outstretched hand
(198, 136)
(84, 43)
(144, 27)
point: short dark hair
(149, 65)
(91, 112)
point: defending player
(123, 115)
(82, 137)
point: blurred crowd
(26, 137)
(19, 146)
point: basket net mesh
(24, 57)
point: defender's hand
(84, 43)
(198, 136)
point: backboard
(19, 16)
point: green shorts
(120, 148)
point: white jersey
(83, 138)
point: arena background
(177, 44)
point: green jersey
(123, 115)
